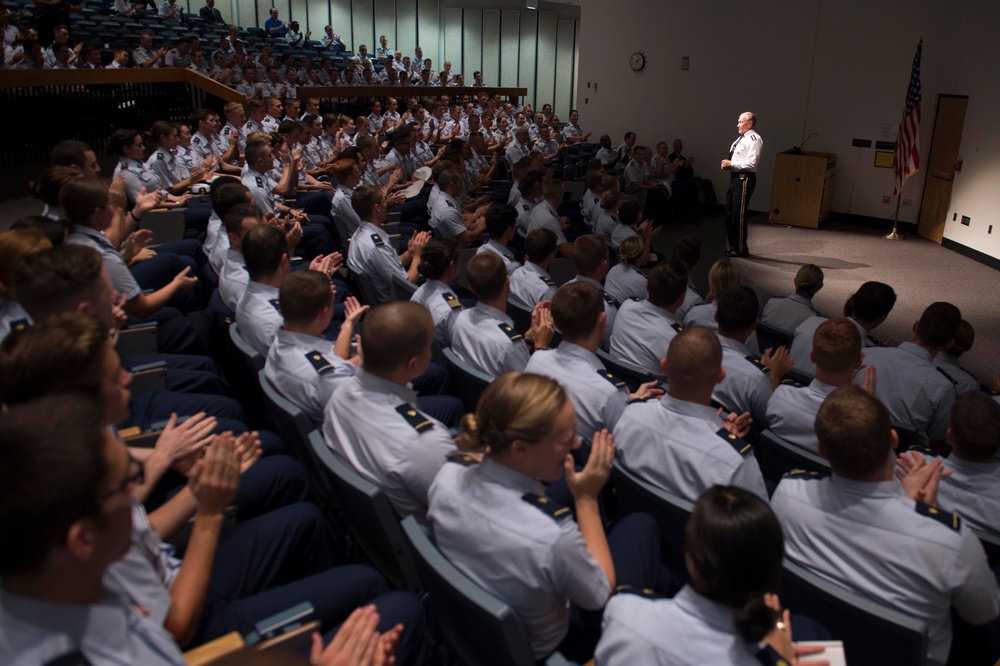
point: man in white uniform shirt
(744, 155)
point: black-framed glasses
(136, 475)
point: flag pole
(895, 235)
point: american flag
(908, 135)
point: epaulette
(617, 383)
(947, 519)
(741, 445)
(792, 382)
(635, 298)
(547, 280)
(768, 656)
(635, 400)
(947, 376)
(19, 325)
(377, 240)
(526, 207)
(462, 458)
(638, 591)
(196, 139)
(260, 183)
(419, 422)
(159, 156)
(806, 474)
(276, 304)
(510, 332)
(609, 299)
(677, 327)
(760, 366)
(546, 505)
(450, 203)
(452, 300)
(319, 362)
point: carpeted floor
(920, 272)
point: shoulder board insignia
(677, 327)
(260, 183)
(510, 332)
(768, 656)
(526, 208)
(449, 202)
(319, 362)
(638, 591)
(276, 304)
(635, 298)
(546, 505)
(635, 400)
(19, 325)
(419, 422)
(755, 137)
(226, 131)
(617, 383)
(951, 520)
(196, 139)
(452, 300)
(792, 382)
(806, 474)
(160, 156)
(760, 366)
(377, 240)
(609, 299)
(547, 280)
(947, 376)
(462, 458)
(741, 445)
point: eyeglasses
(136, 475)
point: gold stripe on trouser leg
(741, 241)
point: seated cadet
(374, 422)
(785, 314)
(791, 411)
(528, 196)
(881, 538)
(492, 521)
(303, 365)
(439, 265)
(447, 219)
(591, 200)
(969, 485)
(590, 257)
(688, 252)
(345, 171)
(65, 516)
(949, 361)
(624, 280)
(729, 613)
(531, 284)
(644, 328)
(371, 252)
(722, 277)
(579, 311)
(867, 308)
(16, 245)
(501, 225)
(226, 192)
(484, 336)
(546, 214)
(918, 395)
(680, 442)
(749, 381)
(258, 313)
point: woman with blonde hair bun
(786, 313)
(492, 520)
(723, 276)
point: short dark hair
(487, 275)
(303, 295)
(576, 307)
(938, 324)
(975, 425)
(263, 247)
(687, 251)
(233, 221)
(539, 244)
(836, 345)
(363, 201)
(738, 310)
(854, 432)
(226, 192)
(667, 283)
(588, 253)
(435, 258)
(734, 544)
(393, 333)
(52, 467)
(69, 152)
(53, 280)
(872, 301)
(121, 138)
(499, 218)
(694, 358)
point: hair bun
(469, 437)
(755, 620)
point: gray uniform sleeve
(576, 573)
(749, 477)
(976, 598)
(516, 358)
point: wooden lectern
(802, 188)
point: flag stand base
(895, 235)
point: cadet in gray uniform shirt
(792, 409)
(680, 443)
(531, 284)
(546, 216)
(598, 396)
(624, 280)
(864, 530)
(302, 365)
(688, 251)
(949, 359)
(643, 329)
(591, 257)
(918, 394)
(501, 225)
(787, 313)
(439, 265)
(733, 550)
(484, 335)
(373, 421)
